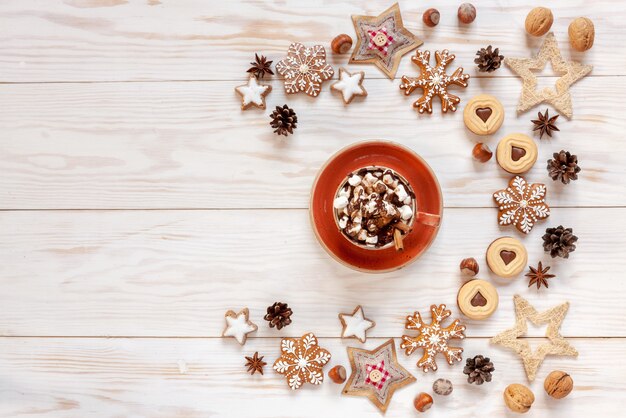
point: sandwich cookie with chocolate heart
(516, 153)
(477, 299)
(507, 257)
(483, 115)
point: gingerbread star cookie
(382, 40)
(238, 325)
(304, 69)
(434, 81)
(433, 337)
(301, 360)
(376, 374)
(253, 93)
(355, 325)
(559, 97)
(521, 204)
(349, 85)
(557, 345)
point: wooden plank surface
(187, 145)
(138, 204)
(119, 40)
(198, 378)
(175, 273)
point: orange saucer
(406, 163)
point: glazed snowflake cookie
(434, 81)
(521, 204)
(252, 93)
(349, 85)
(433, 338)
(304, 69)
(301, 360)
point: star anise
(539, 276)
(255, 363)
(545, 124)
(260, 67)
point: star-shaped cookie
(557, 345)
(238, 325)
(349, 85)
(382, 40)
(559, 96)
(355, 325)
(253, 93)
(376, 374)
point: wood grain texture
(202, 378)
(175, 273)
(104, 40)
(188, 145)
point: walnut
(581, 34)
(558, 384)
(539, 21)
(518, 398)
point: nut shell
(341, 44)
(466, 13)
(518, 398)
(482, 152)
(442, 387)
(558, 384)
(469, 266)
(581, 34)
(431, 17)
(337, 374)
(539, 21)
(423, 402)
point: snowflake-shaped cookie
(521, 204)
(433, 338)
(301, 360)
(434, 81)
(304, 69)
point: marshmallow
(406, 212)
(400, 192)
(354, 180)
(388, 179)
(369, 179)
(407, 201)
(340, 202)
(380, 187)
(345, 191)
(353, 229)
(362, 236)
(343, 222)
(372, 239)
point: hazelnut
(581, 34)
(337, 374)
(442, 387)
(467, 13)
(423, 402)
(431, 17)
(539, 21)
(469, 266)
(482, 152)
(341, 44)
(518, 398)
(558, 384)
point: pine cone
(279, 315)
(284, 120)
(478, 369)
(488, 60)
(559, 241)
(564, 167)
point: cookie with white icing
(349, 85)
(252, 93)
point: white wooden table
(139, 204)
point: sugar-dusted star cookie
(376, 374)
(355, 325)
(349, 85)
(253, 93)
(238, 325)
(559, 96)
(557, 345)
(382, 40)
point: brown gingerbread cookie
(521, 204)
